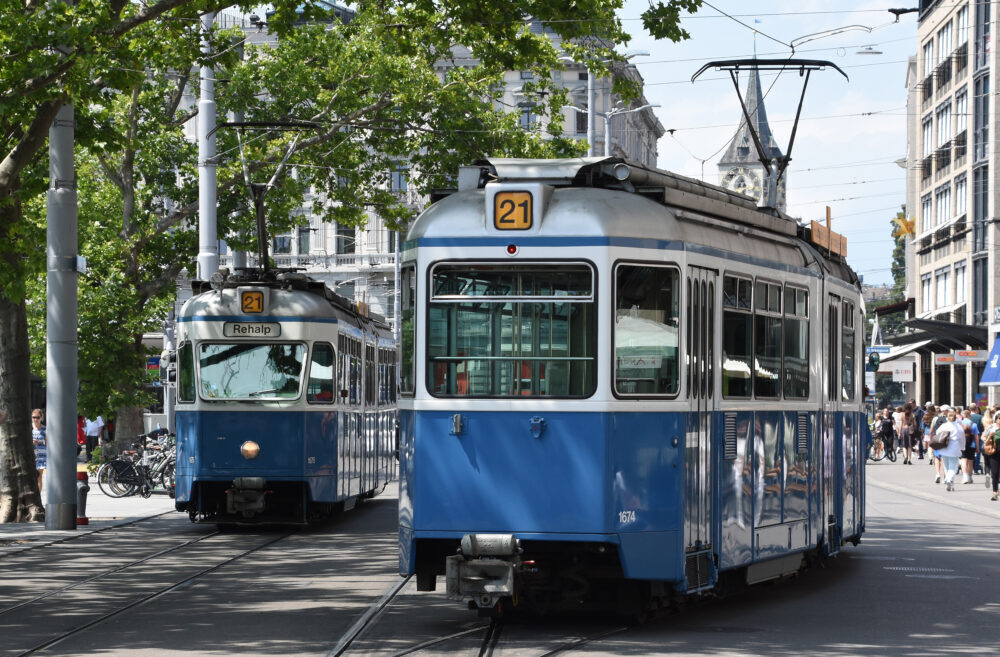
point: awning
(903, 349)
(991, 373)
(940, 311)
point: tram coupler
(82, 488)
(246, 496)
(483, 570)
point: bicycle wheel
(167, 476)
(890, 451)
(123, 478)
(102, 477)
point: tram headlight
(249, 450)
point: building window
(345, 239)
(961, 196)
(581, 123)
(926, 215)
(928, 132)
(929, 62)
(527, 75)
(980, 207)
(945, 43)
(961, 122)
(925, 292)
(942, 292)
(944, 125)
(527, 121)
(982, 33)
(397, 180)
(980, 273)
(942, 199)
(981, 118)
(281, 244)
(960, 294)
(305, 235)
(962, 25)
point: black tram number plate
(252, 301)
(512, 210)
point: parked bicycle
(140, 470)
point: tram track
(496, 636)
(101, 616)
(9, 553)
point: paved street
(922, 545)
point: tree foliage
(374, 88)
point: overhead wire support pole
(208, 234)
(258, 190)
(63, 266)
(773, 168)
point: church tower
(739, 168)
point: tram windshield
(501, 330)
(251, 371)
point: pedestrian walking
(949, 453)
(907, 434)
(38, 440)
(971, 446)
(991, 451)
(930, 415)
(92, 429)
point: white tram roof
(645, 203)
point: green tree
(359, 83)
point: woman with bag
(907, 434)
(951, 438)
(991, 450)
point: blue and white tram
(286, 406)
(616, 380)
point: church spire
(741, 149)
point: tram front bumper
(483, 570)
(246, 496)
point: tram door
(700, 382)
(829, 428)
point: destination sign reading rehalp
(251, 329)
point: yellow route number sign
(512, 210)
(252, 301)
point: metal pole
(61, 318)
(169, 391)
(591, 112)
(607, 134)
(208, 238)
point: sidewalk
(917, 480)
(102, 512)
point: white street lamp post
(607, 123)
(592, 100)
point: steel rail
(145, 599)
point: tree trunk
(128, 425)
(20, 500)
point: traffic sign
(878, 349)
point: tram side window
(646, 323)
(407, 315)
(349, 370)
(767, 340)
(502, 330)
(320, 389)
(849, 380)
(186, 389)
(737, 336)
(369, 375)
(796, 360)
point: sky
(851, 133)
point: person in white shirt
(951, 453)
(92, 430)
